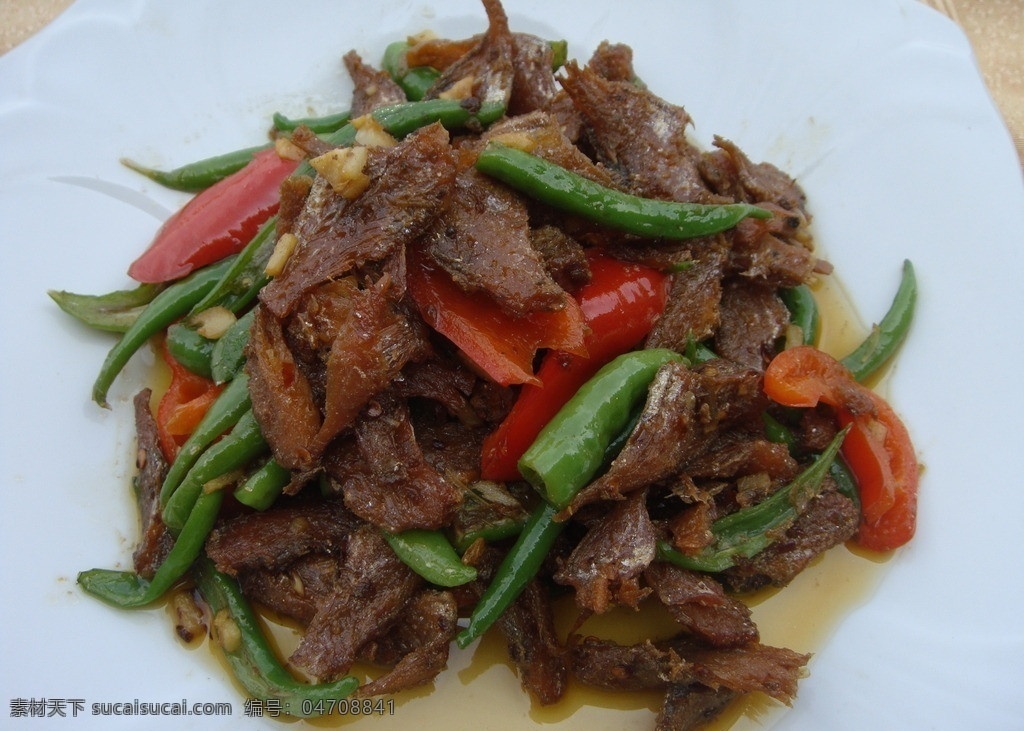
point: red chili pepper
(878, 448)
(187, 399)
(500, 345)
(619, 304)
(217, 222)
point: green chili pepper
(519, 566)
(572, 193)
(199, 175)
(319, 125)
(887, 335)
(846, 484)
(191, 349)
(570, 450)
(262, 487)
(111, 312)
(128, 590)
(415, 81)
(431, 555)
(172, 303)
(750, 530)
(241, 282)
(225, 412)
(803, 311)
(239, 447)
(228, 354)
(252, 660)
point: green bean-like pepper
(264, 485)
(572, 193)
(128, 590)
(191, 349)
(111, 312)
(251, 658)
(431, 555)
(172, 303)
(319, 125)
(235, 450)
(241, 282)
(519, 566)
(415, 81)
(225, 412)
(803, 311)
(228, 354)
(885, 337)
(196, 176)
(749, 531)
(570, 450)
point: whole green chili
(199, 175)
(235, 450)
(111, 312)
(570, 450)
(887, 335)
(750, 530)
(172, 303)
(572, 193)
(431, 555)
(517, 569)
(319, 125)
(224, 413)
(803, 311)
(264, 485)
(228, 354)
(251, 658)
(128, 590)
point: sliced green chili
(172, 303)
(572, 193)
(191, 349)
(262, 487)
(887, 335)
(111, 312)
(128, 590)
(803, 311)
(431, 555)
(225, 412)
(749, 531)
(239, 447)
(416, 80)
(570, 450)
(228, 354)
(519, 566)
(252, 660)
(199, 175)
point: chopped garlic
(369, 133)
(229, 636)
(282, 252)
(343, 169)
(213, 322)
(518, 140)
(461, 89)
(288, 150)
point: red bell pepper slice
(217, 222)
(878, 448)
(187, 399)
(499, 345)
(619, 305)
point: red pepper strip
(619, 304)
(500, 345)
(183, 405)
(878, 448)
(217, 222)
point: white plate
(877, 108)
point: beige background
(994, 27)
